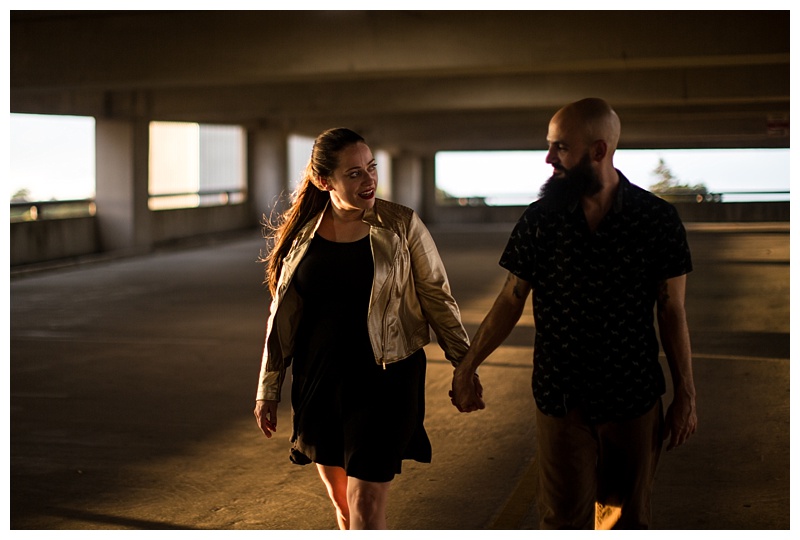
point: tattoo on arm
(517, 292)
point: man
(597, 253)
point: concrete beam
(124, 49)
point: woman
(355, 281)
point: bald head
(587, 130)
(594, 120)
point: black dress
(348, 411)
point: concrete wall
(170, 225)
(50, 240)
(734, 212)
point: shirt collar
(623, 186)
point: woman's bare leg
(335, 480)
(367, 502)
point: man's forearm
(675, 340)
(674, 333)
(498, 323)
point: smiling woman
(506, 178)
(357, 283)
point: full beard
(560, 192)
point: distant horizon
(39, 141)
(480, 174)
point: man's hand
(681, 419)
(467, 392)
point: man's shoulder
(634, 190)
(537, 210)
(531, 216)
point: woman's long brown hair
(308, 200)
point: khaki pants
(597, 475)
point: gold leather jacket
(410, 291)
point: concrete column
(428, 212)
(122, 176)
(407, 184)
(268, 164)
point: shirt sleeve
(519, 257)
(674, 256)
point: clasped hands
(467, 392)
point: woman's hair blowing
(308, 200)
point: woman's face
(352, 185)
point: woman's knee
(367, 501)
(365, 495)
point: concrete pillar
(269, 176)
(428, 211)
(407, 186)
(122, 176)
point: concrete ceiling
(416, 80)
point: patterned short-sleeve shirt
(594, 295)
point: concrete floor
(132, 384)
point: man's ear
(599, 150)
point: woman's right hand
(266, 412)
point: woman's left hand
(266, 413)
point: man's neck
(596, 206)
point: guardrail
(523, 199)
(746, 196)
(193, 199)
(72, 208)
(40, 210)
